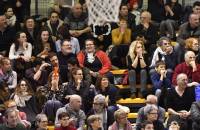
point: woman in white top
(20, 48)
(25, 100)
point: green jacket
(18, 127)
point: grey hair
(160, 41)
(188, 52)
(39, 117)
(149, 107)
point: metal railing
(40, 7)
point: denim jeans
(132, 80)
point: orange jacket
(102, 56)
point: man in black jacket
(6, 35)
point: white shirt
(13, 54)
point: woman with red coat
(94, 62)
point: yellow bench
(130, 100)
(51, 127)
(122, 86)
(134, 115)
(118, 72)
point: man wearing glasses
(100, 108)
(190, 68)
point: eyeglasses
(142, 17)
(12, 106)
(165, 43)
(79, 74)
(123, 117)
(173, 123)
(65, 119)
(99, 120)
(44, 121)
(139, 46)
(100, 104)
(192, 57)
(153, 113)
(23, 84)
(67, 45)
(196, 44)
(89, 44)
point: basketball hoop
(101, 11)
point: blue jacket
(157, 83)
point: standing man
(78, 24)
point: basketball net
(102, 11)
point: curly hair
(132, 48)
(29, 88)
(189, 42)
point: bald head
(182, 80)
(151, 99)
(77, 9)
(75, 102)
(180, 76)
(194, 20)
(74, 97)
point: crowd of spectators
(58, 71)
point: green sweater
(18, 127)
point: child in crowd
(160, 79)
(148, 125)
(65, 120)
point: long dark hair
(38, 42)
(74, 72)
(16, 43)
(4, 92)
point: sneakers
(140, 95)
(133, 95)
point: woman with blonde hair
(121, 121)
(137, 64)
